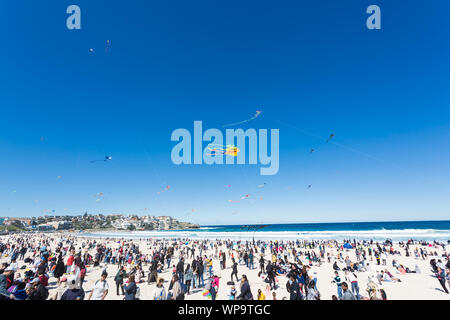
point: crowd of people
(41, 266)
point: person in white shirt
(100, 289)
(37, 261)
(13, 266)
(385, 257)
(159, 293)
(351, 277)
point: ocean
(396, 231)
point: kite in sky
(192, 211)
(107, 45)
(216, 149)
(258, 112)
(326, 141)
(309, 186)
(164, 190)
(262, 185)
(331, 137)
(107, 158)
(99, 196)
(242, 198)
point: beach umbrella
(348, 246)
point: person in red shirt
(43, 279)
(70, 261)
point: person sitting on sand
(386, 277)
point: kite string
(244, 121)
(341, 145)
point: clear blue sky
(307, 64)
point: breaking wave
(209, 233)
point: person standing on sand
(246, 293)
(200, 272)
(346, 295)
(70, 261)
(262, 264)
(159, 293)
(271, 276)
(121, 274)
(442, 278)
(313, 293)
(351, 277)
(180, 269)
(168, 258)
(59, 269)
(188, 275)
(235, 271)
(209, 264)
(337, 280)
(214, 286)
(100, 289)
(130, 289)
(294, 289)
(175, 289)
(250, 260)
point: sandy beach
(412, 286)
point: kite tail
(238, 123)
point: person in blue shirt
(130, 289)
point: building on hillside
(61, 225)
(45, 227)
